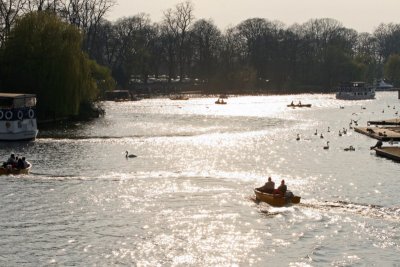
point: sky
(360, 15)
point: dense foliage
(44, 56)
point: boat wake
(270, 211)
(374, 211)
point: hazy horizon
(360, 15)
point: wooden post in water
(399, 93)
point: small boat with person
(299, 105)
(15, 165)
(15, 171)
(276, 199)
(220, 101)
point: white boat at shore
(355, 91)
(17, 117)
(381, 85)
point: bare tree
(86, 15)
(126, 47)
(41, 5)
(9, 12)
(177, 22)
(388, 40)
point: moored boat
(355, 91)
(17, 117)
(179, 97)
(276, 200)
(381, 85)
(391, 152)
(15, 171)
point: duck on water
(127, 155)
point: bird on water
(127, 155)
(327, 145)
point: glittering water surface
(187, 199)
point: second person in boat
(281, 190)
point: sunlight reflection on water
(187, 199)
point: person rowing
(268, 187)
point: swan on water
(327, 145)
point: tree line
(256, 54)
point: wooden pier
(380, 133)
(389, 152)
(385, 122)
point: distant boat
(118, 95)
(355, 91)
(276, 200)
(381, 85)
(220, 101)
(179, 97)
(299, 105)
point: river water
(187, 199)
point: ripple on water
(186, 198)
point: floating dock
(389, 152)
(385, 122)
(380, 133)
